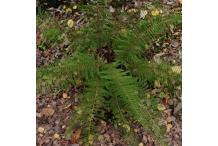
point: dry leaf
(127, 127)
(111, 9)
(56, 136)
(176, 69)
(70, 23)
(41, 130)
(66, 107)
(180, 1)
(76, 136)
(132, 11)
(47, 111)
(141, 144)
(155, 12)
(65, 95)
(75, 7)
(68, 10)
(143, 13)
(157, 84)
(161, 107)
(169, 126)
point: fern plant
(114, 83)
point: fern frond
(125, 89)
(91, 101)
(148, 72)
(64, 72)
(156, 26)
(131, 44)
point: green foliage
(124, 89)
(66, 72)
(93, 35)
(52, 35)
(91, 101)
(115, 85)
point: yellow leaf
(169, 126)
(180, 1)
(157, 84)
(56, 136)
(75, 7)
(127, 127)
(68, 10)
(141, 144)
(70, 23)
(161, 107)
(155, 12)
(132, 10)
(177, 69)
(41, 129)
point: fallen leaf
(180, 1)
(127, 127)
(56, 136)
(132, 11)
(41, 130)
(161, 107)
(70, 23)
(76, 136)
(65, 95)
(143, 13)
(176, 69)
(136, 130)
(157, 84)
(111, 9)
(66, 107)
(177, 108)
(141, 144)
(47, 111)
(169, 126)
(155, 12)
(63, 126)
(75, 7)
(68, 10)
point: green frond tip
(90, 102)
(65, 72)
(124, 89)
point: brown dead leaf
(76, 136)
(169, 126)
(41, 130)
(65, 95)
(56, 136)
(47, 111)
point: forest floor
(54, 109)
